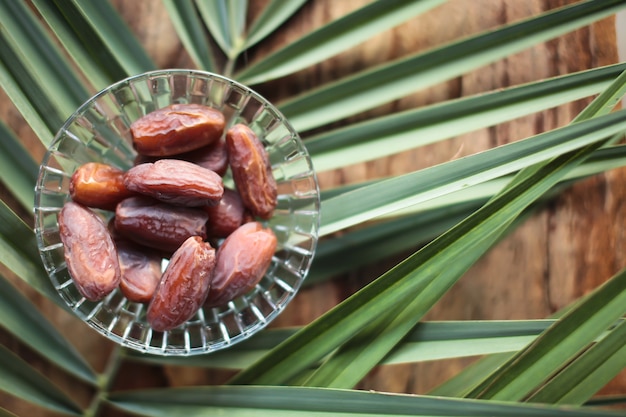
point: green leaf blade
(582, 379)
(69, 27)
(379, 85)
(418, 224)
(462, 383)
(41, 58)
(19, 168)
(257, 401)
(19, 248)
(20, 317)
(40, 121)
(191, 32)
(120, 43)
(397, 288)
(275, 13)
(236, 11)
(369, 244)
(427, 341)
(215, 17)
(410, 129)
(19, 379)
(558, 345)
(354, 359)
(334, 38)
(387, 196)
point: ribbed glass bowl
(100, 131)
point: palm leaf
(380, 240)
(19, 76)
(98, 25)
(236, 11)
(334, 38)
(354, 359)
(215, 17)
(81, 42)
(387, 196)
(376, 86)
(19, 379)
(19, 168)
(36, 119)
(558, 345)
(397, 132)
(19, 250)
(428, 273)
(191, 33)
(461, 384)
(395, 288)
(464, 382)
(41, 58)
(470, 376)
(274, 14)
(418, 224)
(270, 401)
(18, 316)
(583, 378)
(428, 341)
(435, 340)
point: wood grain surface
(559, 254)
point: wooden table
(559, 254)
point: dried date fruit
(226, 216)
(176, 182)
(183, 286)
(176, 129)
(251, 170)
(98, 185)
(242, 260)
(213, 157)
(158, 225)
(90, 254)
(141, 271)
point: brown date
(242, 260)
(213, 157)
(176, 182)
(251, 170)
(90, 254)
(176, 129)
(227, 215)
(183, 286)
(141, 271)
(98, 185)
(158, 225)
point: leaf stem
(105, 380)
(229, 66)
(232, 56)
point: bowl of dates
(177, 212)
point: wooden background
(561, 253)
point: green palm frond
(19, 379)
(28, 325)
(442, 219)
(270, 401)
(379, 85)
(426, 342)
(333, 38)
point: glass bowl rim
(167, 73)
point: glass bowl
(100, 131)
